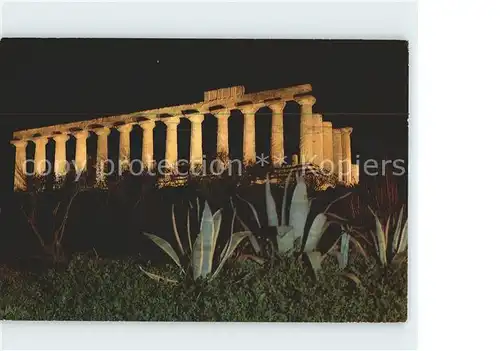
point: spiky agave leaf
(157, 277)
(403, 244)
(166, 247)
(344, 249)
(204, 246)
(234, 240)
(299, 208)
(176, 233)
(358, 247)
(272, 214)
(315, 258)
(189, 230)
(380, 242)
(251, 237)
(283, 204)
(285, 239)
(386, 232)
(336, 200)
(318, 227)
(351, 276)
(397, 233)
(254, 211)
(217, 223)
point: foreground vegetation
(281, 290)
(222, 250)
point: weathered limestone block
(124, 157)
(346, 154)
(277, 134)
(81, 150)
(249, 132)
(147, 144)
(60, 163)
(40, 155)
(171, 152)
(196, 149)
(306, 151)
(317, 138)
(20, 183)
(337, 154)
(327, 146)
(222, 130)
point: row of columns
(318, 141)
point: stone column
(124, 157)
(81, 150)
(60, 162)
(306, 151)
(327, 146)
(355, 173)
(40, 155)
(317, 138)
(171, 150)
(20, 165)
(222, 130)
(337, 154)
(249, 133)
(102, 153)
(277, 134)
(346, 154)
(147, 144)
(196, 148)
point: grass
(281, 290)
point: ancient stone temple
(321, 144)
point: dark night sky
(363, 84)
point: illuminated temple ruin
(320, 143)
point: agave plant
(291, 229)
(391, 239)
(200, 254)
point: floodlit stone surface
(60, 155)
(318, 140)
(306, 125)
(337, 154)
(147, 143)
(196, 152)
(81, 150)
(171, 152)
(124, 148)
(327, 145)
(346, 154)
(20, 165)
(277, 134)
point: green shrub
(281, 290)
